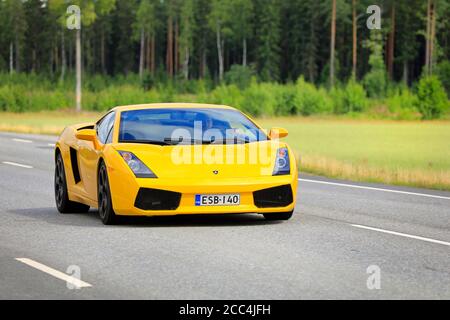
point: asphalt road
(337, 233)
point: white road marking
(375, 189)
(17, 165)
(402, 234)
(55, 273)
(22, 140)
(51, 144)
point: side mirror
(278, 133)
(86, 135)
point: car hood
(203, 161)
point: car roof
(171, 106)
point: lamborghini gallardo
(174, 159)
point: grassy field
(52, 122)
(402, 153)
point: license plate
(217, 199)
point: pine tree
(145, 29)
(186, 35)
(15, 25)
(268, 39)
(219, 21)
(241, 24)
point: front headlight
(282, 163)
(139, 169)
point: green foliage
(443, 72)
(375, 81)
(7, 99)
(17, 98)
(432, 99)
(219, 17)
(146, 18)
(282, 39)
(285, 100)
(351, 98)
(259, 100)
(402, 104)
(310, 100)
(35, 92)
(268, 38)
(241, 14)
(148, 81)
(187, 34)
(240, 76)
(227, 95)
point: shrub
(310, 100)
(337, 95)
(148, 81)
(227, 95)
(402, 104)
(259, 99)
(402, 99)
(240, 76)
(351, 98)
(443, 73)
(41, 99)
(355, 97)
(285, 100)
(7, 99)
(432, 99)
(95, 83)
(375, 82)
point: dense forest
(306, 42)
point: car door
(89, 154)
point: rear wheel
(105, 208)
(278, 216)
(63, 204)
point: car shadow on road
(91, 219)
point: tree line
(277, 40)
(197, 38)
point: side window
(110, 133)
(104, 127)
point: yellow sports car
(174, 159)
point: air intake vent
(74, 161)
(154, 199)
(273, 197)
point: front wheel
(105, 208)
(278, 216)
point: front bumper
(125, 190)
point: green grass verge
(403, 153)
(410, 153)
(51, 122)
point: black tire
(105, 207)
(278, 216)
(63, 204)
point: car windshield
(188, 126)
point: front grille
(154, 199)
(273, 197)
